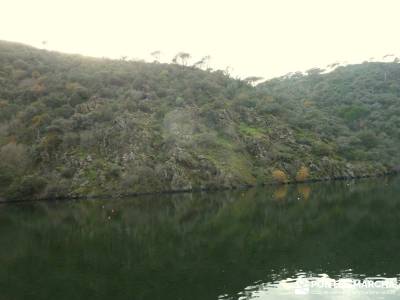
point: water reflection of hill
(197, 246)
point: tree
(156, 55)
(279, 176)
(202, 63)
(14, 161)
(15, 156)
(302, 174)
(252, 79)
(181, 58)
(314, 71)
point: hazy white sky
(255, 37)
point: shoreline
(195, 190)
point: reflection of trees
(196, 246)
(281, 192)
(304, 191)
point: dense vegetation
(77, 126)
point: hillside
(78, 126)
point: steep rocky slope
(79, 126)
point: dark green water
(222, 245)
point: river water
(327, 240)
